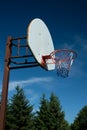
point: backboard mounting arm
(27, 59)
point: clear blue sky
(67, 22)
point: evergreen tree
(80, 123)
(42, 115)
(19, 112)
(50, 115)
(56, 115)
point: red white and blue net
(63, 60)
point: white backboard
(40, 41)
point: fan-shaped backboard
(40, 41)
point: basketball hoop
(62, 59)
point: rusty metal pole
(5, 84)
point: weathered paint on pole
(5, 84)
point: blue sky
(67, 22)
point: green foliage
(80, 123)
(19, 112)
(56, 117)
(50, 116)
(41, 119)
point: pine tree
(56, 115)
(19, 112)
(42, 115)
(80, 122)
(50, 116)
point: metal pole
(7, 68)
(5, 84)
